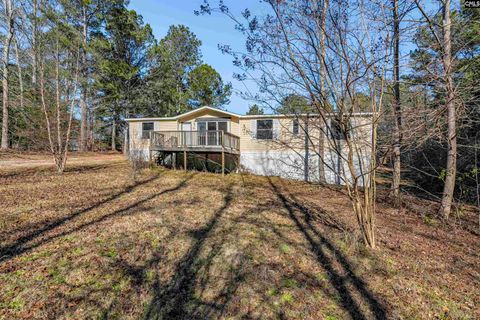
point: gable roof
(227, 113)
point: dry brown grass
(92, 243)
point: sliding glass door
(202, 133)
(212, 139)
(208, 132)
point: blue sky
(210, 29)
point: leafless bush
(137, 161)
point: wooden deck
(194, 141)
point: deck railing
(194, 139)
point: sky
(212, 30)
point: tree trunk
(114, 133)
(6, 55)
(396, 175)
(83, 120)
(58, 98)
(90, 130)
(451, 169)
(365, 213)
(34, 43)
(306, 167)
(64, 152)
(83, 96)
(321, 156)
(321, 142)
(20, 76)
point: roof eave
(356, 114)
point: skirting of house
(291, 165)
(286, 164)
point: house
(275, 145)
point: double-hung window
(147, 127)
(265, 129)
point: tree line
(73, 70)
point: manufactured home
(289, 146)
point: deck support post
(237, 164)
(185, 160)
(171, 144)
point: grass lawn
(94, 243)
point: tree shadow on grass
(20, 245)
(178, 298)
(343, 279)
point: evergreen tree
(166, 91)
(206, 87)
(255, 109)
(121, 58)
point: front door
(187, 133)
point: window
(295, 128)
(222, 126)
(146, 128)
(336, 130)
(265, 129)
(212, 125)
(202, 126)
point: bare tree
(61, 71)
(284, 56)
(451, 170)
(9, 19)
(396, 175)
(323, 30)
(83, 96)
(444, 42)
(20, 73)
(34, 42)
